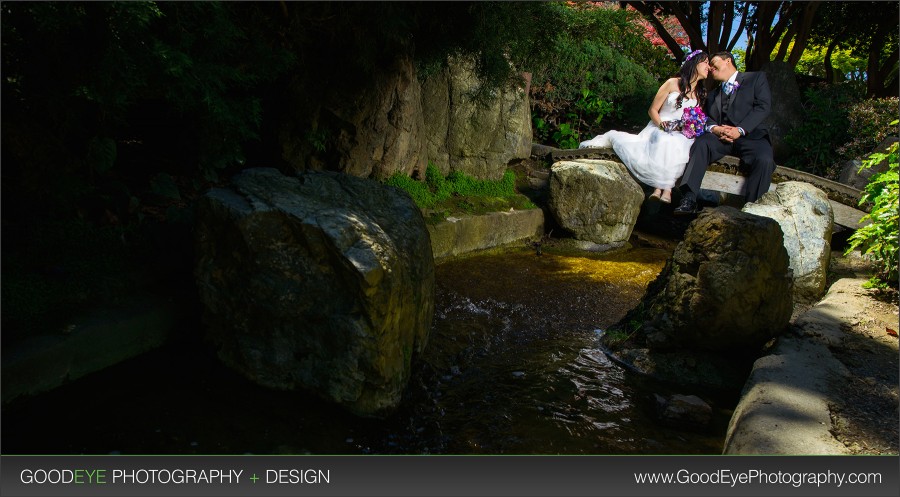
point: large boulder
(807, 221)
(596, 200)
(727, 286)
(322, 282)
(787, 108)
(724, 293)
(469, 135)
(851, 174)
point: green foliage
(438, 188)
(868, 124)
(593, 108)
(815, 140)
(846, 65)
(879, 239)
(101, 155)
(566, 136)
(465, 185)
(541, 128)
(599, 65)
(839, 124)
(94, 76)
(421, 195)
(591, 65)
(740, 58)
(318, 139)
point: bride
(657, 157)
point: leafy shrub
(593, 108)
(567, 136)
(599, 65)
(869, 123)
(540, 126)
(816, 139)
(589, 65)
(879, 239)
(839, 124)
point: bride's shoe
(657, 195)
(666, 197)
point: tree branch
(687, 23)
(765, 14)
(785, 42)
(727, 25)
(802, 36)
(829, 68)
(714, 26)
(740, 29)
(647, 10)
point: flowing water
(512, 367)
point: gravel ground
(865, 416)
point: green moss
(459, 193)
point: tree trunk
(829, 69)
(713, 26)
(876, 71)
(762, 46)
(740, 28)
(802, 37)
(785, 42)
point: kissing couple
(683, 138)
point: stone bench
(724, 177)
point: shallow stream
(512, 367)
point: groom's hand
(727, 134)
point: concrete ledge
(784, 405)
(97, 341)
(459, 235)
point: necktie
(727, 88)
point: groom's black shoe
(688, 204)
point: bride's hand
(668, 126)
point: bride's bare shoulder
(671, 85)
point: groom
(736, 110)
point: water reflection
(511, 368)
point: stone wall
(398, 123)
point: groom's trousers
(755, 154)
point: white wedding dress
(655, 157)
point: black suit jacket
(750, 104)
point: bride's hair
(686, 73)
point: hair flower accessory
(692, 54)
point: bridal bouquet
(693, 122)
